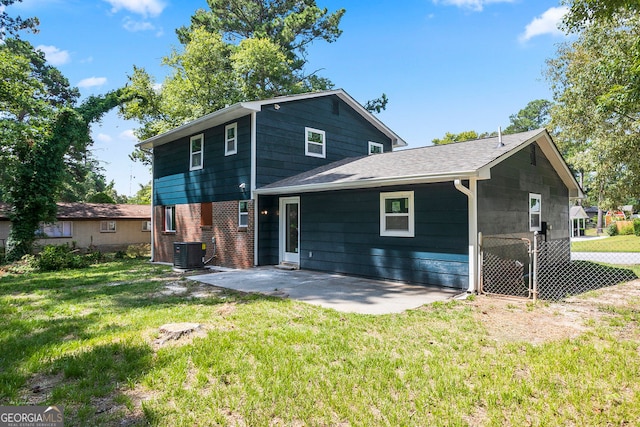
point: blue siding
(341, 232)
(281, 138)
(218, 180)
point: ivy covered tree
(40, 124)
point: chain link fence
(556, 269)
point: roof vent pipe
(500, 144)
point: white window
(396, 214)
(315, 145)
(197, 150)
(535, 211)
(170, 218)
(146, 225)
(375, 148)
(56, 229)
(231, 139)
(107, 226)
(243, 213)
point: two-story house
(313, 180)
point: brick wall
(234, 245)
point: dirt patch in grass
(519, 320)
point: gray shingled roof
(426, 164)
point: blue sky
(446, 65)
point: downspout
(254, 168)
(473, 230)
(153, 208)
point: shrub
(627, 230)
(142, 250)
(636, 226)
(612, 229)
(58, 257)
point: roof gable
(462, 160)
(242, 109)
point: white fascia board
(368, 183)
(216, 118)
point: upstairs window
(535, 212)
(397, 214)
(375, 148)
(231, 139)
(315, 144)
(196, 151)
(243, 214)
(170, 219)
(107, 226)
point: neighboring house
(579, 219)
(295, 180)
(101, 226)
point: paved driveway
(342, 293)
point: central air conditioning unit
(189, 255)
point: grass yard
(609, 244)
(88, 340)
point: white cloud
(133, 26)
(92, 82)
(55, 56)
(103, 137)
(476, 5)
(128, 134)
(547, 23)
(141, 7)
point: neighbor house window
(56, 229)
(231, 139)
(170, 218)
(146, 225)
(396, 214)
(107, 226)
(375, 148)
(535, 210)
(315, 144)
(243, 214)
(196, 150)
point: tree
(457, 137)
(39, 127)
(238, 50)
(142, 196)
(534, 116)
(12, 26)
(596, 113)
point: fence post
(480, 264)
(535, 266)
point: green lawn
(608, 244)
(87, 340)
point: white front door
(290, 229)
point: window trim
(376, 145)
(322, 155)
(169, 212)
(105, 226)
(243, 214)
(228, 152)
(410, 232)
(192, 153)
(538, 197)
